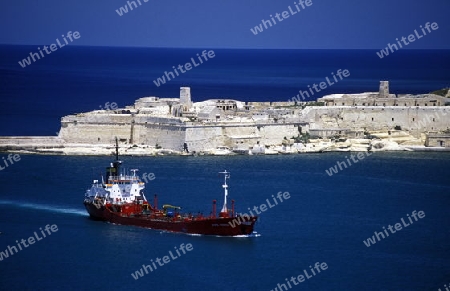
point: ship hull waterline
(206, 226)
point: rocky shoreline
(379, 141)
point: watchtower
(185, 98)
(384, 89)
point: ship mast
(224, 211)
(114, 169)
(117, 150)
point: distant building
(209, 112)
(437, 140)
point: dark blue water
(79, 79)
(325, 220)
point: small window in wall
(426, 104)
(392, 118)
(414, 119)
(343, 103)
(384, 104)
(372, 118)
(433, 119)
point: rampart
(415, 120)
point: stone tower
(384, 89)
(185, 98)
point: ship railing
(124, 178)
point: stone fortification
(173, 123)
(171, 132)
(178, 124)
(415, 120)
(384, 98)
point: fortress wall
(405, 100)
(274, 134)
(103, 118)
(30, 140)
(422, 119)
(380, 118)
(97, 118)
(166, 136)
(141, 118)
(100, 128)
(205, 138)
(94, 133)
(241, 136)
(240, 131)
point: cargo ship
(120, 199)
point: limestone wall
(275, 133)
(165, 136)
(101, 128)
(374, 99)
(414, 119)
(210, 137)
(438, 140)
(205, 138)
(30, 141)
(147, 119)
(94, 133)
(97, 118)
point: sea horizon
(78, 79)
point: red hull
(198, 225)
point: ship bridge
(124, 188)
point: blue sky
(326, 24)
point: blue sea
(79, 79)
(325, 220)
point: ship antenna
(224, 210)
